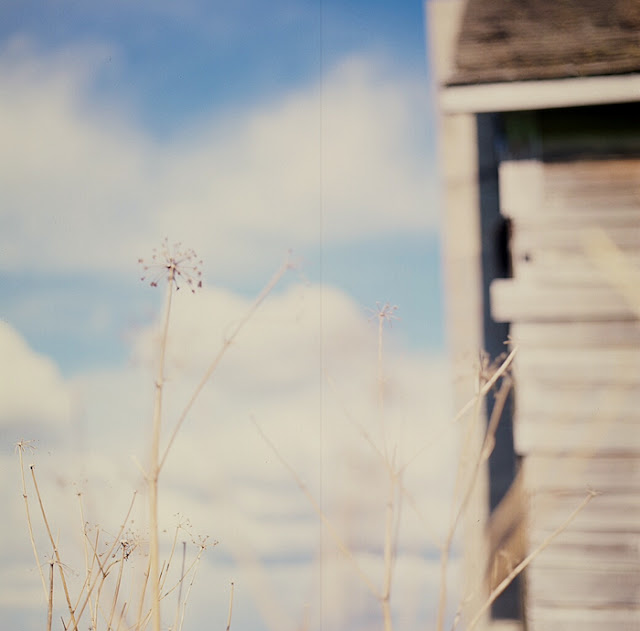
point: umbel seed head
(176, 264)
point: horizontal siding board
(560, 256)
(571, 238)
(564, 271)
(601, 437)
(577, 400)
(596, 183)
(579, 550)
(590, 587)
(574, 472)
(619, 366)
(584, 217)
(559, 335)
(563, 402)
(611, 512)
(545, 618)
(535, 189)
(528, 302)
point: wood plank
(579, 366)
(577, 402)
(533, 189)
(530, 435)
(607, 515)
(561, 269)
(591, 587)
(585, 216)
(559, 335)
(584, 549)
(521, 188)
(544, 472)
(598, 183)
(558, 254)
(569, 237)
(518, 301)
(545, 618)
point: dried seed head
(176, 264)
(383, 313)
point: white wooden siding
(577, 399)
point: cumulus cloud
(84, 186)
(305, 369)
(33, 392)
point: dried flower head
(175, 264)
(383, 313)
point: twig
(614, 264)
(85, 549)
(221, 353)
(55, 547)
(343, 547)
(103, 570)
(230, 608)
(50, 604)
(526, 561)
(485, 451)
(184, 558)
(193, 570)
(20, 447)
(389, 553)
(116, 593)
(154, 472)
(468, 406)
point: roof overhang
(537, 95)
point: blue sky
(243, 130)
(165, 71)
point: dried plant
(100, 597)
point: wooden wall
(577, 419)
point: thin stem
(468, 406)
(55, 547)
(230, 608)
(218, 358)
(103, 570)
(193, 571)
(526, 561)
(184, 558)
(21, 446)
(123, 613)
(343, 547)
(488, 444)
(381, 321)
(385, 599)
(88, 568)
(154, 472)
(165, 569)
(50, 605)
(143, 592)
(116, 593)
(617, 267)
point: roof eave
(535, 95)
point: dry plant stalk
(396, 489)
(177, 267)
(486, 449)
(527, 560)
(228, 627)
(384, 314)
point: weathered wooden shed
(540, 160)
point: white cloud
(84, 187)
(33, 390)
(227, 481)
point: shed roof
(514, 40)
